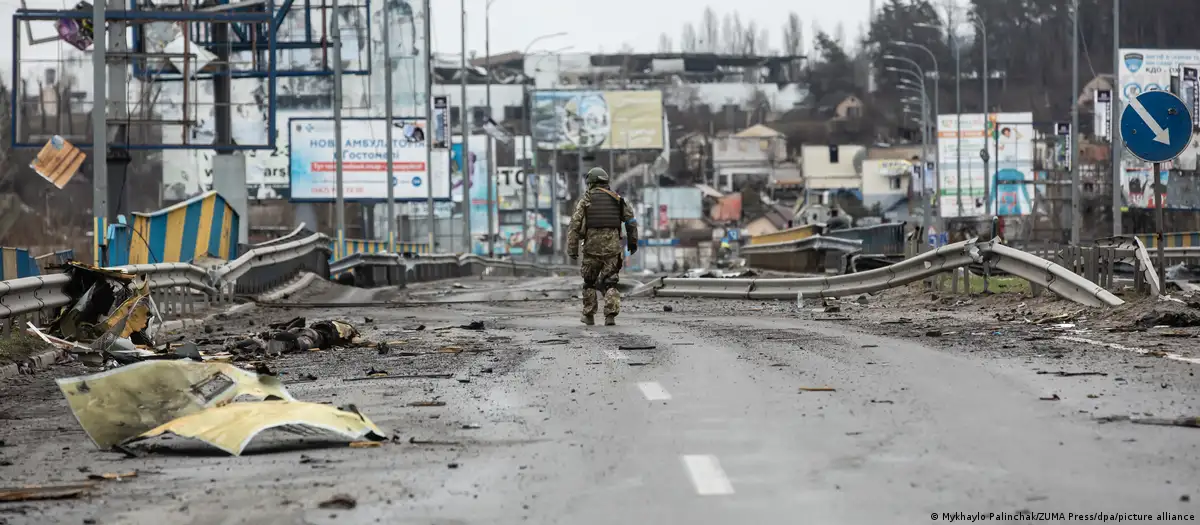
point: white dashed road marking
(615, 354)
(654, 391)
(707, 476)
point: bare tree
(710, 31)
(839, 34)
(664, 43)
(749, 39)
(793, 36)
(763, 46)
(688, 41)
(730, 36)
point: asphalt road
(700, 419)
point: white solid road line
(615, 354)
(707, 476)
(654, 391)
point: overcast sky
(592, 26)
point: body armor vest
(604, 211)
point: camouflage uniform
(603, 248)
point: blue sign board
(1156, 126)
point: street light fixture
(554, 226)
(986, 78)
(926, 129)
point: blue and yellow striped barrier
(16, 263)
(353, 246)
(1172, 240)
(204, 226)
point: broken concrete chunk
(114, 405)
(232, 427)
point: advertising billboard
(1008, 140)
(598, 120)
(312, 162)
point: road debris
(817, 389)
(473, 325)
(232, 427)
(552, 342)
(1050, 398)
(410, 376)
(1172, 318)
(340, 501)
(113, 476)
(1063, 373)
(427, 404)
(44, 492)
(116, 405)
(668, 308)
(1187, 421)
(415, 441)
(636, 347)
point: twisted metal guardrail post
(1035, 269)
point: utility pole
(429, 121)
(337, 132)
(466, 139)
(1076, 218)
(958, 159)
(1114, 136)
(388, 114)
(988, 189)
(99, 134)
(491, 176)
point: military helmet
(597, 176)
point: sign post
(1156, 127)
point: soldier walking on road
(596, 224)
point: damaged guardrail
(1035, 269)
(180, 287)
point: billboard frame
(292, 150)
(532, 95)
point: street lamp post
(937, 88)
(532, 143)
(926, 205)
(491, 175)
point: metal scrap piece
(117, 404)
(232, 427)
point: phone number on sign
(1100, 517)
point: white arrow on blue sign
(1156, 126)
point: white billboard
(1008, 140)
(312, 160)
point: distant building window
(854, 112)
(514, 113)
(894, 183)
(454, 116)
(479, 115)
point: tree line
(1028, 43)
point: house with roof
(757, 155)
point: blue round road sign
(1156, 126)
(416, 181)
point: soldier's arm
(630, 221)
(575, 231)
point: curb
(40, 361)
